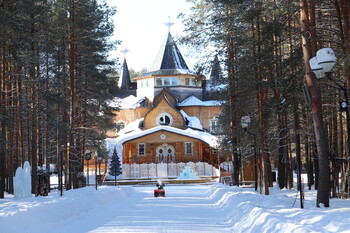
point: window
(164, 119)
(159, 82)
(187, 81)
(213, 124)
(141, 149)
(193, 82)
(141, 83)
(175, 81)
(189, 148)
(167, 81)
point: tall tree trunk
(73, 154)
(231, 73)
(316, 106)
(34, 106)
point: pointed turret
(215, 70)
(169, 56)
(124, 79)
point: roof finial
(124, 51)
(169, 23)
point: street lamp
(96, 157)
(245, 121)
(87, 157)
(100, 160)
(321, 65)
(60, 178)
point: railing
(167, 169)
(166, 159)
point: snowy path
(193, 208)
(185, 209)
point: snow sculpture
(23, 183)
(191, 165)
(180, 167)
(188, 174)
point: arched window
(164, 119)
(165, 153)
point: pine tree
(115, 166)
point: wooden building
(168, 121)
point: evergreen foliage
(114, 164)
(261, 45)
(55, 79)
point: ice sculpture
(23, 182)
(188, 174)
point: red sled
(159, 193)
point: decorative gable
(172, 100)
(164, 114)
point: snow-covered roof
(194, 122)
(200, 135)
(168, 72)
(132, 126)
(130, 102)
(194, 101)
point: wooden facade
(176, 147)
(159, 139)
(164, 106)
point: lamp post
(245, 121)
(60, 179)
(320, 66)
(100, 159)
(87, 157)
(96, 158)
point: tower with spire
(169, 71)
(124, 82)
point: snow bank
(186, 208)
(43, 214)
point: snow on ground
(186, 208)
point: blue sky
(139, 24)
